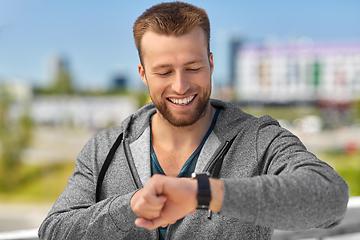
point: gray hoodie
(270, 182)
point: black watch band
(204, 192)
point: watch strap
(204, 192)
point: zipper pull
(209, 214)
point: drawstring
(106, 165)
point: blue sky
(96, 36)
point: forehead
(160, 47)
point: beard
(188, 118)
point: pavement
(22, 216)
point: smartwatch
(204, 192)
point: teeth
(183, 101)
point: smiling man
(178, 77)
(179, 84)
(189, 167)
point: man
(262, 177)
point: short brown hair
(173, 18)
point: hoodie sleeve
(76, 215)
(294, 189)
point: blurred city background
(69, 69)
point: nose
(180, 84)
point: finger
(150, 224)
(165, 225)
(155, 201)
(161, 199)
(148, 214)
(147, 209)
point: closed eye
(163, 74)
(194, 69)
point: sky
(96, 36)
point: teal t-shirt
(189, 166)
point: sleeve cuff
(121, 213)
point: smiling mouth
(182, 101)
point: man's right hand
(147, 204)
(164, 200)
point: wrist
(217, 194)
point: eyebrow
(160, 67)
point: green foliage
(348, 166)
(15, 135)
(289, 113)
(40, 183)
(356, 109)
(63, 83)
(142, 98)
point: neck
(178, 138)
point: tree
(15, 135)
(357, 109)
(62, 82)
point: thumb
(150, 224)
(161, 198)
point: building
(88, 112)
(298, 72)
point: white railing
(31, 234)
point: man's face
(177, 71)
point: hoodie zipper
(213, 165)
(219, 156)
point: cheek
(156, 89)
(205, 80)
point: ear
(142, 74)
(211, 62)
